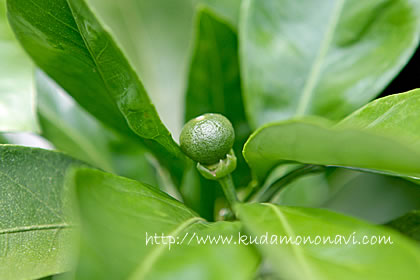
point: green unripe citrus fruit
(207, 138)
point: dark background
(408, 79)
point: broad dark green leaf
(372, 197)
(156, 36)
(399, 260)
(66, 41)
(117, 213)
(206, 93)
(17, 100)
(35, 233)
(72, 130)
(227, 9)
(324, 58)
(408, 224)
(380, 137)
(214, 85)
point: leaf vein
(53, 16)
(34, 228)
(315, 71)
(33, 194)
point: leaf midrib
(296, 249)
(94, 59)
(315, 72)
(144, 267)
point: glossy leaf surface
(66, 41)
(396, 114)
(328, 63)
(119, 216)
(380, 137)
(158, 37)
(399, 260)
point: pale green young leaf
(380, 137)
(306, 261)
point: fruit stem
(229, 189)
(266, 195)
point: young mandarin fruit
(207, 138)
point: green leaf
(119, 215)
(399, 260)
(156, 37)
(35, 232)
(396, 114)
(310, 190)
(213, 261)
(328, 63)
(17, 108)
(214, 86)
(372, 197)
(227, 9)
(66, 41)
(72, 130)
(314, 142)
(408, 224)
(63, 276)
(380, 137)
(200, 194)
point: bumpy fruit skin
(207, 138)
